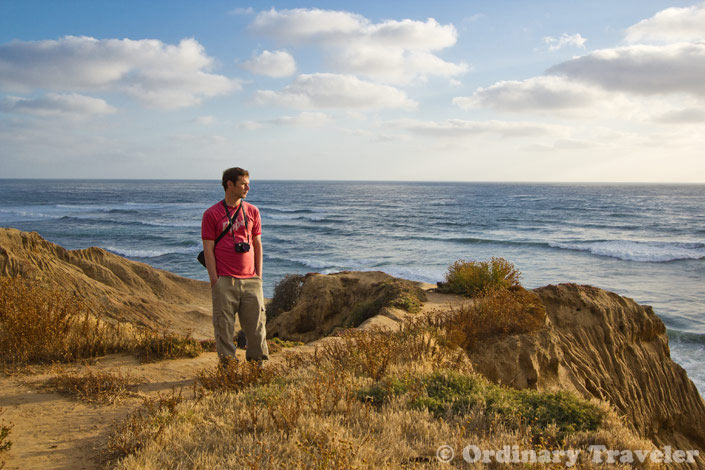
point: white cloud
(392, 51)
(305, 119)
(327, 90)
(158, 74)
(574, 40)
(54, 104)
(250, 125)
(538, 93)
(641, 69)
(670, 25)
(273, 64)
(205, 120)
(458, 128)
(682, 116)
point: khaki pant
(244, 297)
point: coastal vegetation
(471, 278)
(46, 324)
(366, 399)
(42, 325)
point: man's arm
(209, 252)
(257, 246)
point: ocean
(643, 241)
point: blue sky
(440, 91)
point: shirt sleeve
(208, 226)
(256, 223)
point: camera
(242, 247)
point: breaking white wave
(650, 252)
(131, 253)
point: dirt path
(52, 431)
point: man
(235, 268)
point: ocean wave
(651, 252)
(677, 336)
(154, 253)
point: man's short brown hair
(232, 174)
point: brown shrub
(40, 325)
(157, 346)
(235, 375)
(95, 387)
(471, 278)
(495, 313)
(286, 293)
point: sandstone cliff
(124, 290)
(602, 345)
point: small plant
(5, 443)
(235, 375)
(156, 346)
(95, 387)
(471, 278)
(277, 344)
(381, 392)
(286, 293)
(45, 324)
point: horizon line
(365, 181)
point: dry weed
(498, 312)
(42, 325)
(102, 387)
(156, 346)
(236, 375)
(142, 426)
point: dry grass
(42, 325)
(374, 400)
(142, 426)
(156, 346)
(236, 375)
(103, 387)
(471, 278)
(5, 442)
(495, 313)
(310, 415)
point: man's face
(241, 186)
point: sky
(531, 91)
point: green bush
(471, 278)
(381, 392)
(551, 415)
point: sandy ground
(52, 431)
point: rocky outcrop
(345, 299)
(602, 345)
(124, 290)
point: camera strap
(230, 221)
(234, 219)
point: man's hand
(209, 253)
